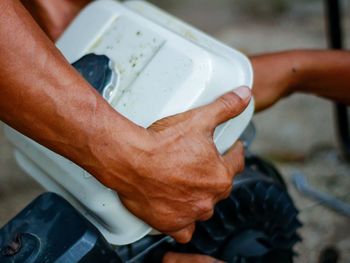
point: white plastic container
(164, 67)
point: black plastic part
(95, 69)
(329, 255)
(335, 36)
(257, 224)
(51, 230)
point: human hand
(178, 175)
(171, 257)
(169, 175)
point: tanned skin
(169, 175)
(54, 16)
(322, 73)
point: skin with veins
(169, 175)
(44, 98)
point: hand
(169, 175)
(179, 175)
(275, 76)
(171, 257)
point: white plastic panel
(165, 67)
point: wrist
(114, 146)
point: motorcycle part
(257, 224)
(50, 230)
(302, 185)
(98, 71)
(163, 67)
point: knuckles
(226, 180)
(185, 237)
(239, 159)
(226, 185)
(232, 103)
(240, 163)
(207, 215)
(227, 192)
(206, 206)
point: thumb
(226, 107)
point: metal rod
(330, 201)
(335, 36)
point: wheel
(257, 223)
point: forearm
(323, 73)
(169, 175)
(54, 16)
(43, 97)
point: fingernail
(242, 92)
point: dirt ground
(297, 134)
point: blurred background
(298, 134)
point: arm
(321, 73)
(54, 16)
(169, 175)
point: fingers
(172, 257)
(226, 107)
(184, 235)
(234, 159)
(207, 215)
